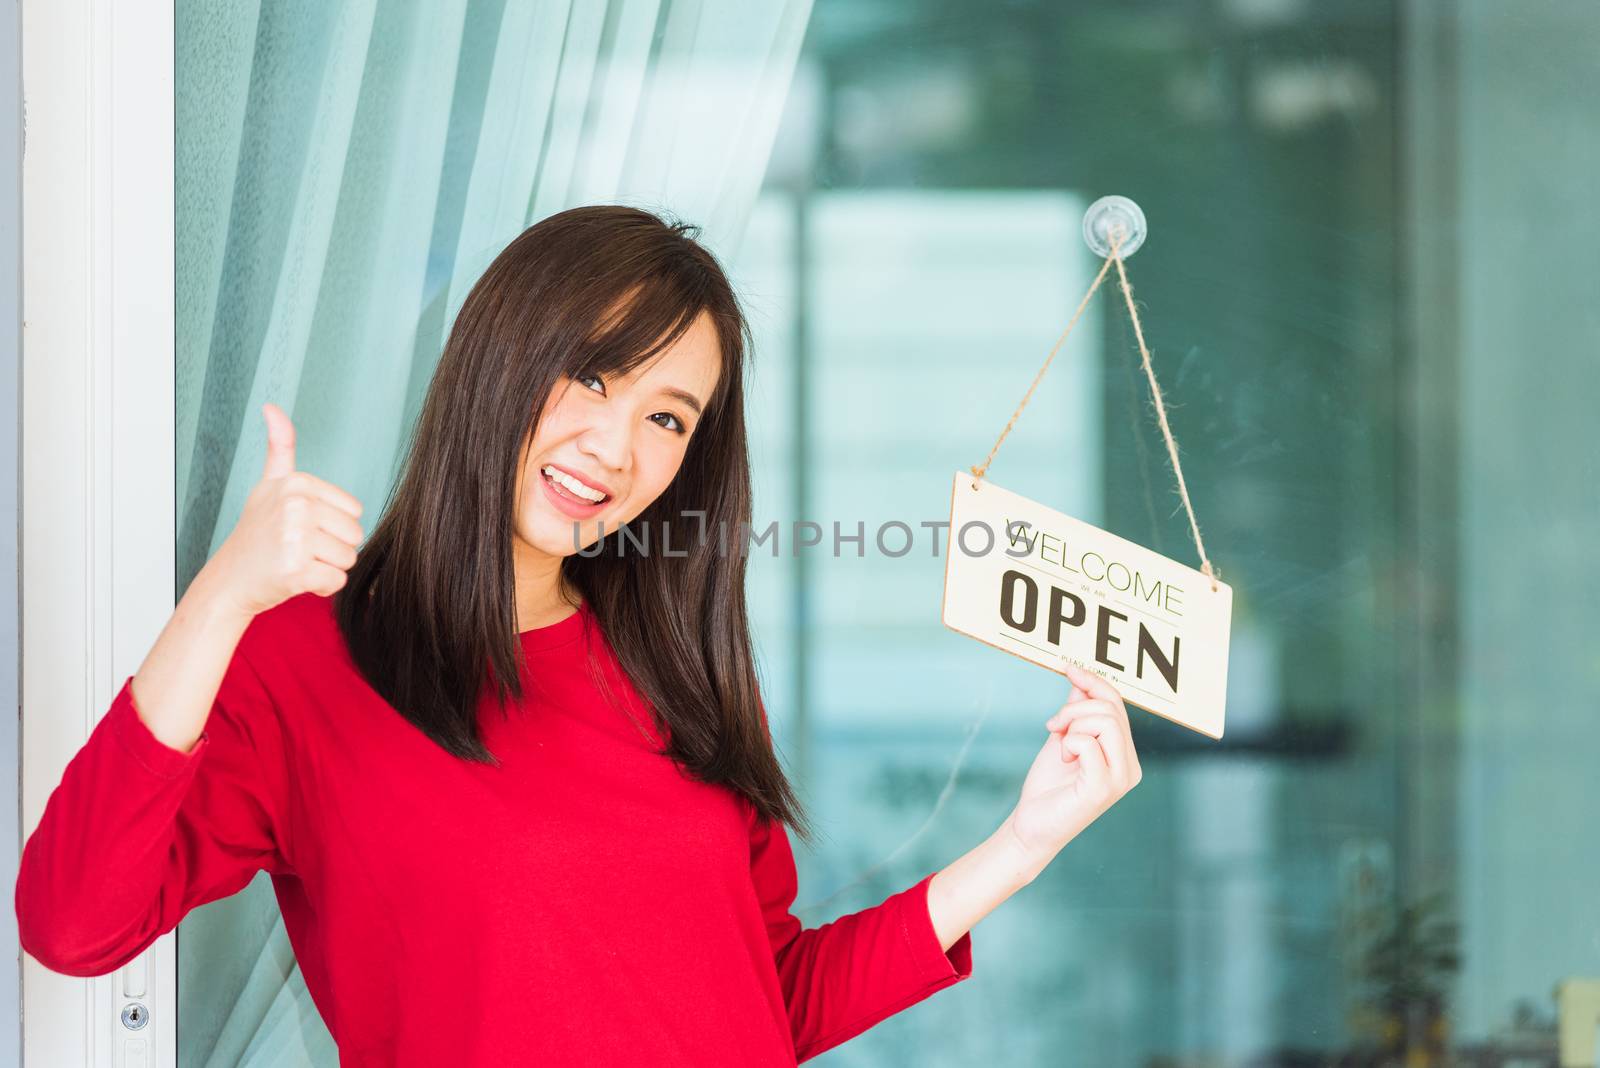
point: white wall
(10, 339)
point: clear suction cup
(1114, 215)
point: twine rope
(979, 469)
(1115, 257)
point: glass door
(1369, 286)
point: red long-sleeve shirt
(583, 903)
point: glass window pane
(1369, 290)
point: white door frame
(97, 523)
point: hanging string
(1082, 304)
(1161, 414)
(1115, 257)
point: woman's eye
(596, 380)
(676, 424)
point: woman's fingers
(337, 522)
(324, 578)
(331, 550)
(321, 489)
(1067, 713)
(1107, 721)
(1114, 744)
(297, 532)
(1096, 687)
(1091, 764)
(280, 442)
(1100, 691)
(1107, 730)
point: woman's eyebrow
(686, 397)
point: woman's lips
(598, 487)
(570, 504)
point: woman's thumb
(280, 442)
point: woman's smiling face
(620, 439)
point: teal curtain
(344, 173)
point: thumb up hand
(280, 443)
(297, 533)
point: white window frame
(97, 479)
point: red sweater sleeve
(138, 833)
(843, 977)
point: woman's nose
(609, 440)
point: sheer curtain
(344, 173)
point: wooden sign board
(1052, 589)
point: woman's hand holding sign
(1088, 764)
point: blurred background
(1371, 291)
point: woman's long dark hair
(429, 608)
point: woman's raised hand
(297, 533)
(1085, 767)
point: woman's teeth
(578, 489)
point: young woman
(513, 779)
